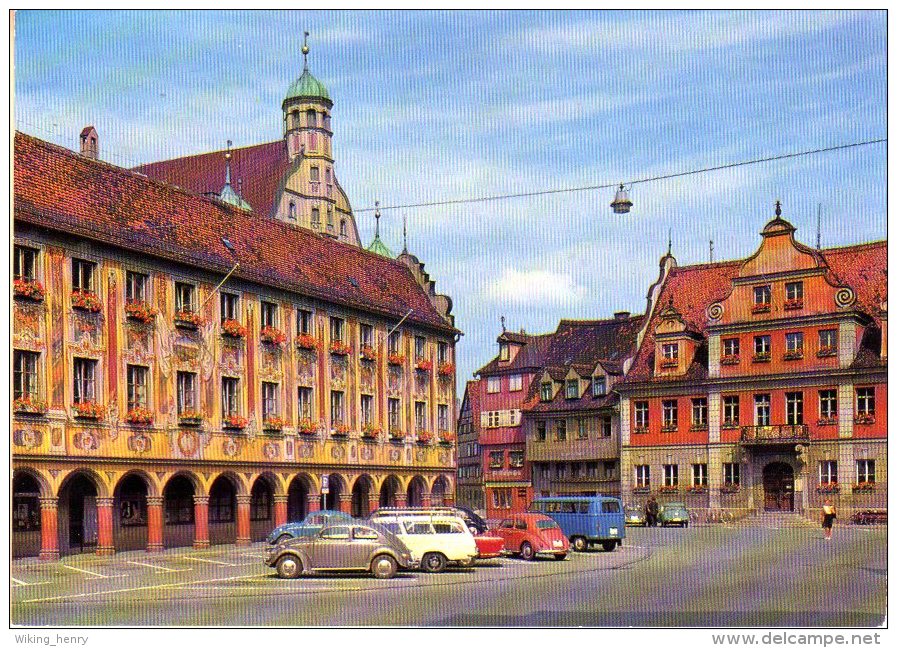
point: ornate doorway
(778, 487)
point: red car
(532, 534)
(488, 545)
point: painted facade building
(571, 420)
(469, 490)
(152, 409)
(761, 384)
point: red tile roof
(260, 167)
(58, 190)
(693, 288)
(530, 355)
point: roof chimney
(621, 315)
(90, 143)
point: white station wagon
(434, 538)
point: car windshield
(546, 524)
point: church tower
(312, 197)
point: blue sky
(441, 105)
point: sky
(433, 106)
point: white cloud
(536, 287)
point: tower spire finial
(377, 217)
(711, 250)
(227, 157)
(305, 53)
(670, 242)
(778, 209)
(503, 324)
(404, 234)
(819, 226)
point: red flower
(446, 369)
(306, 341)
(273, 423)
(28, 289)
(368, 353)
(423, 365)
(188, 318)
(340, 349)
(89, 409)
(307, 427)
(86, 300)
(139, 416)
(370, 431)
(28, 405)
(446, 436)
(396, 359)
(140, 311)
(272, 335)
(233, 328)
(235, 421)
(424, 437)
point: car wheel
(433, 562)
(384, 566)
(283, 537)
(580, 544)
(609, 545)
(526, 551)
(289, 566)
(560, 556)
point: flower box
(87, 301)
(396, 359)
(190, 419)
(423, 436)
(699, 427)
(273, 424)
(338, 348)
(446, 437)
(140, 311)
(696, 490)
(307, 342)
(28, 405)
(139, 416)
(233, 329)
(730, 488)
(307, 427)
(761, 357)
(422, 364)
(397, 435)
(370, 432)
(271, 335)
(28, 289)
(864, 487)
(864, 419)
(760, 308)
(669, 363)
(669, 428)
(729, 425)
(340, 430)
(368, 353)
(234, 422)
(89, 410)
(827, 421)
(641, 490)
(188, 319)
(831, 487)
(668, 489)
(730, 359)
(793, 355)
(446, 369)
(640, 429)
(826, 352)
(793, 304)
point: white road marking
(85, 571)
(132, 589)
(206, 560)
(159, 567)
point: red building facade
(761, 384)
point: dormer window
(292, 210)
(342, 227)
(571, 390)
(599, 386)
(316, 217)
(794, 295)
(504, 352)
(670, 355)
(547, 389)
(493, 385)
(314, 174)
(762, 299)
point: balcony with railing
(773, 434)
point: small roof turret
(307, 86)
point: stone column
(401, 500)
(154, 524)
(426, 500)
(200, 521)
(49, 528)
(625, 452)
(714, 453)
(448, 499)
(280, 510)
(845, 410)
(345, 503)
(373, 503)
(314, 502)
(244, 537)
(105, 543)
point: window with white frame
(82, 275)
(641, 415)
(504, 352)
(699, 474)
(420, 416)
(367, 409)
(337, 408)
(794, 408)
(442, 355)
(572, 388)
(365, 335)
(699, 412)
(560, 430)
(582, 429)
(865, 471)
(762, 295)
(599, 386)
(270, 400)
(828, 472)
(642, 476)
(230, 396)
(393, 413)
(761, 409)
(515, 383)
(393, 342)
(865, 401)
(84, 387)
(497, 459)
(794, 290)
(731, 347)
(730, 410)
(184, 297)
(762, 345)
(304, 400)
(135, 286)
(828, 341)
(229, 304)
(671, 475)
(546, 391)
(670, 413)
(515, 458)
(420, 347)
(269, 314)
(670, 351)
(25, 376)
(493, 384)
(732, 473)
(304, 322)
(186, 384)
(794, 343)
(138, 379)
(442, 416)
(24, 263)
(337, 325)
(828, 403)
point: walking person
(651, 510)
(828, 518)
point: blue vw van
(586, 520)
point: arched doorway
(222, 512)
(297, 499)
(129, 516)
(778, 487)
(361, 496)
(25, 515)
(179, 507)
(261, 509)
(388, 491)
(336, 487)
(78, 522)
(416, 490)
(437, 493)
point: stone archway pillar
(345, 503)
(314, 502)
(401, 500)
(280, 510)
(373, 502)
(448, 499)
(49, 528)
(154, 524)
(244, 537)
(200, 521)
(105, 543)
(426, 501)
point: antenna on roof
(818, 226)
(670, 242)
(711, 250)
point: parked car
(434, 537)
(635, 515)
(673, 513)
(341, 546)
(488, 545)
(474, 521)
(532, 534)
(586, 520)
(312, 523)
